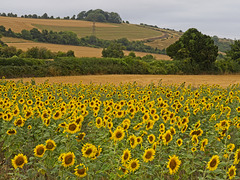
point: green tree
(26, 34)
(196, 48)
(114, 50)
(234, 52)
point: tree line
(34, 52)
(97, 15)
(71, 38)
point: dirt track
(195, 80)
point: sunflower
(126, 156)
(149, 125)
(11, 132)
(72, 127)
(184, 128)
(68, 159)
(123, 171)
(173, 164)
(99, 150)
(179, 142)
(29, 127)
(155, 117)
(80, 170)
(39, 150)
(50, 145)
(161, 128)
(231, 172)
(148, 155)
(204, 142)
(28, 114)
(125, 125)
(151, 138)
(57, 115)
(167, 137)
(193, 149)
(197, 124)
(19, 122)
(110, 125)
(195, 140)
(230, 147)
(137, 127)
(237, 156)
(19, 161)
(80, 136)
(139, 140)
(118, 134)
(89, 150)
(133, 165)
(47, 122)
(173, 131)
(133, 141)
(99, 122)
(145, 117)
(213, 163)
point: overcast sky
(211, 17)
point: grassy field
(79, 50)
(129, 31)
(81, 28)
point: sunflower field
(125, 131)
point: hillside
(155, 37)
(151, 35)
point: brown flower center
(19, 161)
(173, 164)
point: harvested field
(17, 24)
(79, 50)
(195, 80)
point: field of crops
(125, 131)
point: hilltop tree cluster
(97, 15)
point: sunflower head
(237, 156)
(173, 164)
(89, 150)
(80, 170)
(19, 161)
(72, 127)
(167, 137)
(148, 155)
(133, 165)
(11, 132)
(50, 145)
(179, 142)
(68, 159)
(126, 156)
(80, 136)
(231, 172)
(151, 138)
(213, 163)
(118, 134)
(39, 150)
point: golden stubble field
(195, 80)
(79, 51)
(17, 24)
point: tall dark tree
(196, 47)
(45, 16)
(234, 52)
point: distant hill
(153, 36)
